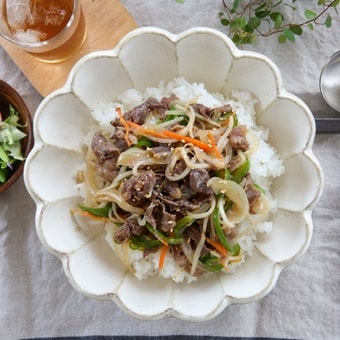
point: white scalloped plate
(142, 59)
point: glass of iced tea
(50, 30)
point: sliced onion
(239, 210)
(253, 143)
(131, 156)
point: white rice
(265, 162)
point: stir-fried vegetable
(241, 171)
(10, 145)
(99, 212)
(163, 238)
(182, 223)
(233, 249)
(142, 242)
(211, 263)
(180, 185)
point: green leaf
(321, 2)
(235, 6)
(4, 173)
(278, 3)
(14, 151)
(289, 34)
(254, 22)
(282, 39)
(262, 14)
(310, 14)
(3, 156)
(236, 39)
(310, 26)
(260, 6)
(249, 29)
(297, 30)
(328, 22)
(335, 3)
(277, 18)
(225, 22)
(249, 38)
(237, 24)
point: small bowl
(8, 95)
(330, 81)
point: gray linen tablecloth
(36, 299)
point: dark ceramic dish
(10, 96)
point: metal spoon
(330, 81)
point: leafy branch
(247, 20)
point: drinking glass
(50, 30)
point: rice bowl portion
(172, 202)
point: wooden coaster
(107, 22)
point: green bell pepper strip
(168, 118)
(241, 171)
(224, 174)
(163, 238)
(182, 223)
(233, 249)
(143, 142)
(140, 241)
(100, 212)
(258, 187)
(210, 263)
(237, 175)
(227, 115)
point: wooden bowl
(9, 95)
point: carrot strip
(169, 134)
(187, 139)
(214, 146)
(133, 125)
(162, 256)
(125, 124)
(219, 247)
(145, 131)
(89, 215)
(227, 121)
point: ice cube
(54, 16)
(29, 36)
(18, 13)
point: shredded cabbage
(10, 145)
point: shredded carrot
(214, 146)
(149, 132)
(133, 125)
(89, 215)
(169, 134)
(218, 246)
(227, 121)
(187, 139)
(125, 124)
(162, 256)
(143, 130)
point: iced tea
(51, 30)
